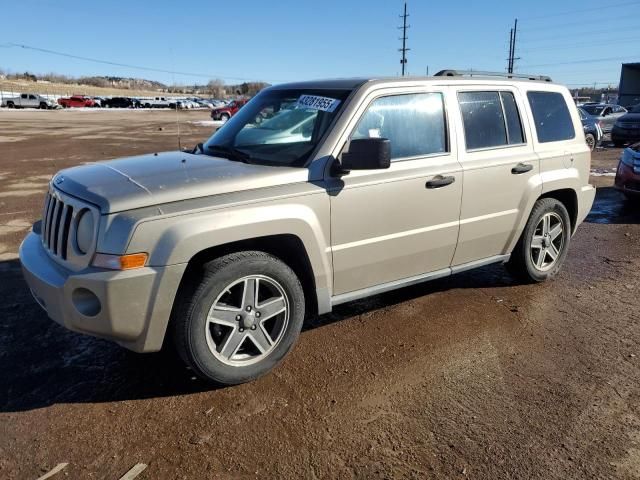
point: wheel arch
(569, 198)
(287, 247)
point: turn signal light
(120, 262)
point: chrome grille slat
(52, 226)
(63, 237)
(52, 208)
(47, 202)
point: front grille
(56, 223)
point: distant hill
(109, 85)
(122, 82)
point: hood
(147, 180)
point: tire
(525, 262)
(618, 144)
(43, 106)
(10, 105)
(631, 198)
(222, 283)
(591, 141)
(224, 118)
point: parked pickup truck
(381, 183)
(29, 100)
(227, 111)
(77, 101)
(156, 102)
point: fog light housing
(86, 302)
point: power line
(571, 24)
(573, 12)
(569, 35)
(125, 65)
(579, 45)
(575, 62)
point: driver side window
(414, 124)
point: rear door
(501, 170)
(400, 222)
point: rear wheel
(10, 105)
(543, 245)
(591, 141)
(239, 318)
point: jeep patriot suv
(349, 188)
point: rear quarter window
(551, 116)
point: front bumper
(130, 307)
(587, 195)
(627, 180)
(625, 134)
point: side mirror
(367, 154)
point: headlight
(84, 231)
(627, 157)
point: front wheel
(591, 141)
(224, 118)
(543, 245)
(239, 317)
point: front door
(401, 222)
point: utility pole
(510, 50)
(404, 48)
(512, 47)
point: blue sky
(286, 40)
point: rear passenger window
(551, 116)
(414, 124)
(514, 126)
(491, 119)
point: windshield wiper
(198, 148)
(230, 153)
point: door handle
(439, 181)
(522, 168)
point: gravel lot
(473, 376)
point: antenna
(173, 80)
(404, 38)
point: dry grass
(24, 86)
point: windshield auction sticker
(324, 104)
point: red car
(628, 173)
(228, 111)
(77, 101)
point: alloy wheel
(247, 320)
(547, 241)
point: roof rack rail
(479, 73)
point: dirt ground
(473, 376)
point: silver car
(605, 114)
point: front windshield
(278, 127)
(594, 109)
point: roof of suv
(352, 83)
